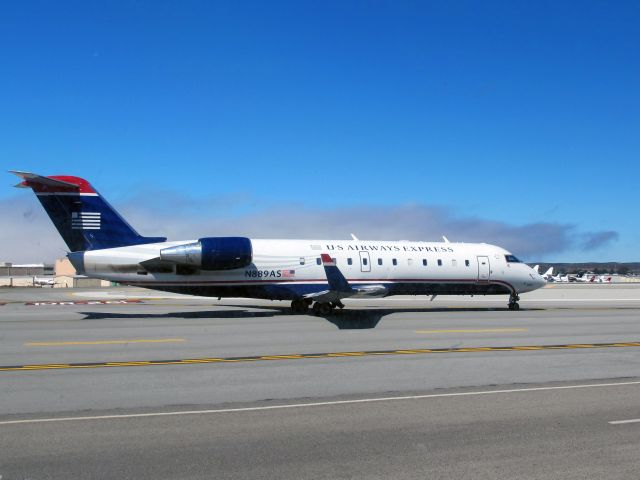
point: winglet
(327, 261)
(336, 279)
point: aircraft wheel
(299, 305)
(513, 302)
(322, 308)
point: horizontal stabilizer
(31, 179)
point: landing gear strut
(513, 302)
(338, 304)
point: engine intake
(212, 253)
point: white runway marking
(622, 422)
(317, 404)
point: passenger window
(349, 261)
(467, 263)
(318, 261)
(395, 262)
(379, 261)
(301, 260)
(424, 262)
(364, 261)
(439, 262)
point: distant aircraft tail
(536, 268)
(82, 216)
(549, 272)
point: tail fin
(85, 220)
(549, 272)
(536, 268)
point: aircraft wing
(339, 286)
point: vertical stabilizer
(84, 219)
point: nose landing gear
(513, 302)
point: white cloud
(29, 236)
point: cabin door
(365, 262)
(484, 269)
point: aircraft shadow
(201, 314)
(365, 319)
(346, 319)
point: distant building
(66, 276)
(64, 268)
(8, 269)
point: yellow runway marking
(476, 330)
(105, 342)
(327, 355)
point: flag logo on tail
(85, 221)
(288, 273)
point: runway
(119, 353)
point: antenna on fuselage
(446, 240)
(355, 238)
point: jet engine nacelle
(212, 253)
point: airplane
(317, 273)
(586, 277)
(559, 278)
(548, 274)
(42, 282)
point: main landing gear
(513, 302)
(322, 308)
(301, 306)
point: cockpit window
(512, 259)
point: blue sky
(520, 114)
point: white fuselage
(294, 266)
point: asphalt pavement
(96, 353)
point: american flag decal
(85, 221)
(288, 273)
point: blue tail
(83, 217)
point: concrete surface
(538, 434)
